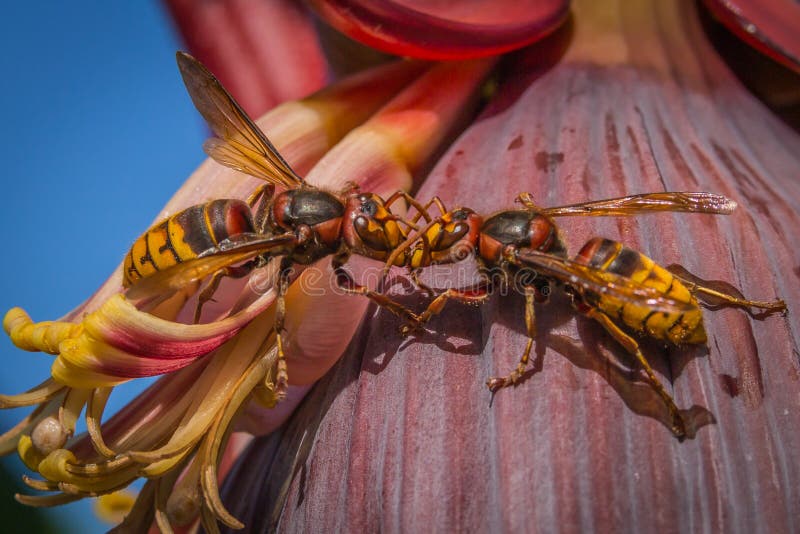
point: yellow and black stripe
(184, 236)
(677, 328)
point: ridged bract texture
(402, 436)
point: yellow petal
(29, 455)
(216, 383)
(44, 336)
(221, 430)
(94, 414)
(37, 395)
(113, 507)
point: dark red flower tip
(770, 26)
(444, 29)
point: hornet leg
(422, 211)
(228, 272)
(526, 199)
(419, 284)
(346, 283)
(475, 294)
(495, 383)
(775, 305)
(282, 375)
(263, 193)
(678, 426)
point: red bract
(444, 30)
(771, 26)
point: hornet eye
(370, 207)
(460, 215)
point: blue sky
(97, 133)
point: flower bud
(49, 435)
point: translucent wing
(230, 252)
(586, 279)
(239, 143)
(700, 202)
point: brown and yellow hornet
(616, 286)
(231, 237)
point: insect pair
(302, 224)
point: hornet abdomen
(675, 327)
(184, 236)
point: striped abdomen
(676, 327)
(184, 236)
